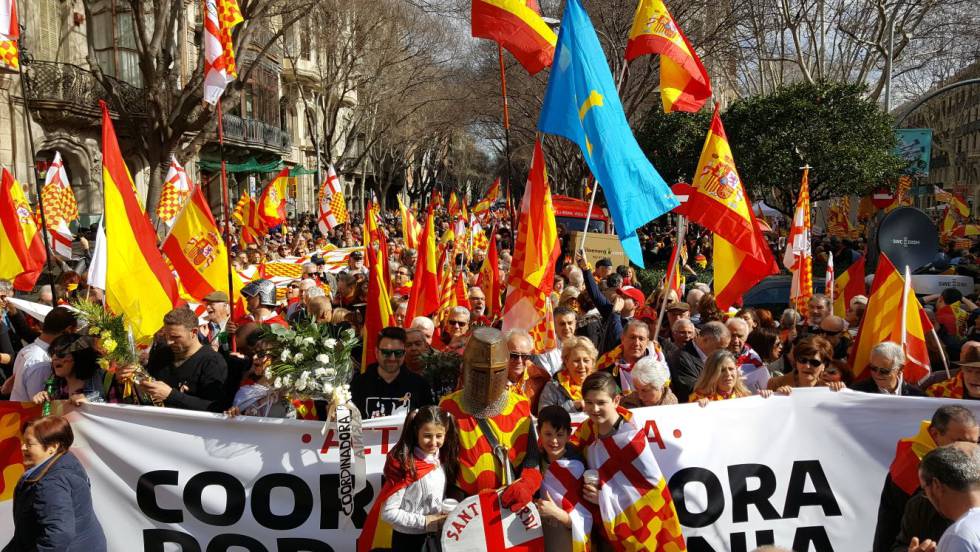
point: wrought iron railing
(65, 83)
(252, 131)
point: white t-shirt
(963, 535)
(32, 368)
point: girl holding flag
(416, 474)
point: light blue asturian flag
(582, 104)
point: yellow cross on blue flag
(582, 104)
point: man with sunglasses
(386, 388)
(455, 329)
(885, 366)
(526, 378)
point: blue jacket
(53, 510)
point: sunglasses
(820, 331)
(880, 371)
(61, 354)
(520, 356)
(815, 362)
(457, 323)
(396, 353)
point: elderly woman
(720, 380)
(811, 356)
(53, 501)
(578, 356)
(651, 385)
(885, 366)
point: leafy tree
(846, 139)
(673, 141)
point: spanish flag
(483, 206)
(847, 286)
(424, 297)
(718, 202)
(139, 284)
(516, 25)
(378, 313)
(272, 202)
(684, 82)
(197, 252)
(892, 295)
(489, 278)
(532, 270)
(411, 229)
(947, 223)
(22, 253)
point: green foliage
(673, 141)
(846, 139)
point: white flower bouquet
(312, 361)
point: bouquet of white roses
(312, 361)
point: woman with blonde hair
(720, 380)
(578, 356)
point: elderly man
(478, 306)
(818, 307)
(950, 479)
(885, 365)
(834, 330)
(218, 313)
(693, 299)
(964, 385)
(524, 377)
(455, 329)
(425, 325)
(682, 332)
(565, 324)
(634, 345)
(355, 264)
(855, 313)
(687, 363)
(753, 369)
(949, 424)
(416, 346)
(385, 388)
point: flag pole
(942, 352)
(503, 94)
(37, 176)
(669, 277)
(224, 205)
(588, 216)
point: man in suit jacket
(885, 365)
(686, 364)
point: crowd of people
(614, 352)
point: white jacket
(406, 509)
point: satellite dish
(908, 237)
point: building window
(45, 44)
(115, 40)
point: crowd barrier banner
(803, 471)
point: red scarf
(395, 479)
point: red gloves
(521, 492)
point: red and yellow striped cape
(952, 388)
(478, 468)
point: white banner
(804, 472)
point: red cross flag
(176, 189)
(221, 16)
(332, 207)
(479, 523)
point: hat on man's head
(634, 293)
(357, 255)
(604, 262)
(678, 306)
(216, 297)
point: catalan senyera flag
(139, 284)
(798, 257)
(424, 298)
(22, 253)
(489, 279)
(272, 201)
(220, 17)
(966, 231)
(9, 34)
(518, 27)
(176, 190)
(684, 82)
(947, 223)
(893, 314)
(532, 270)
(247, 215)
(848, 285)
(483, 206)
(378, 313)
(59, 200)
(197, 252)
(411, 229)
(718, 202)
(635, 505)
(828, 279)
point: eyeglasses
(61, 354)
(815, 362)
(293, 286)
(457, 323)
(402, 273)
(396, 353)
(520, 357)
(880, 371)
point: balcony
(65, 93)
(250, 133)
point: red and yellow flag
(798, 257)
(719, 203)
(483, 206)
(424, 297)
(684, 82)
(139, 284)
(9, 34)
(517, 26)
(197, 252)
(220, 18)
(839, 217)
(272, 202)
(532, 270)
(22, 253)
(489, 278)
(948, 222)
(675, 282)
(847, 286)
(411, 229)
(378, 314)
(890, 296)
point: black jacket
(53, 510)
(919, 520)
(198, 383)
(869, 386)
(375, 397)
(685, 367)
